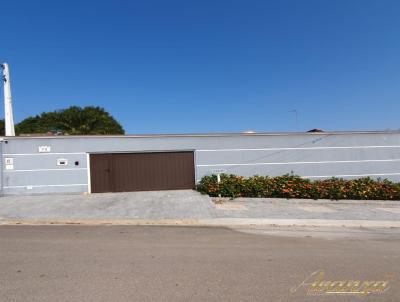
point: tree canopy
(2, 128)
(74, 120)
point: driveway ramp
(179, 204)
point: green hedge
(292, 186)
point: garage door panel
(151, 171)
(100, 168)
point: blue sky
(208, 66)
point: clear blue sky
(210, 65)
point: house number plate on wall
(44, 149)
(9, 162)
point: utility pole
(8, 112)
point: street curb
(218, 222)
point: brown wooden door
(123, 172)
(100, 172)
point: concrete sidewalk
(276, 208)
(182, 204)
(189, 208)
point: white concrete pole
(8, 112)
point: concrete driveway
(182, 204)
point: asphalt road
(131, 263)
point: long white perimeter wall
(309, 155)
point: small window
(77, 163)
(62, 162)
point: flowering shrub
(293, 186)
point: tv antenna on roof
(8, 112)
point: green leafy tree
(73, 120)
(2, 128)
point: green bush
(293, 186)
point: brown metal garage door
(124, 172)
